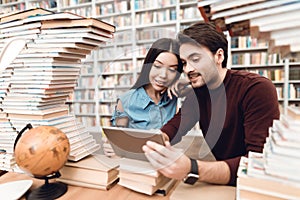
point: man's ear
(219, 56)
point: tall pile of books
(35, 86)
(274, 174)
(141, 176)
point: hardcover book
(24, 14)
(57, 23)
(94, 170)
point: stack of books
(37, 83)
(94, 171)
(142, 177)
(274, 174)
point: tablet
(128, 142)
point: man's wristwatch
(193, 175)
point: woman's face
(163, 71)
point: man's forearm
(216, 172)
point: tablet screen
(128, 142)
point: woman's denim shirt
(142, 112)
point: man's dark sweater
(234, 117)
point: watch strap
(194, 166)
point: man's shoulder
(247, 81)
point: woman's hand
(180, 88)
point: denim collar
(146, 100)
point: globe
(42, 151)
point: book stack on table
(94, 171)
(274, 173)
(141, 176)
(34, 87)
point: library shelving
(117, 65)
(264, 20)
(112, 70)
(251, 54)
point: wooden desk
(117, 192)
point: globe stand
(48, 191)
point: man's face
(199, 65)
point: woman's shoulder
(133, 93)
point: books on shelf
(94, 171)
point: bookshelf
(116, 66)
(251, 54)
(139, 24)
(268, 21)
(112, 70)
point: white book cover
(77, 30)
(69, 40)
(75, 35)
(48, 68)
(44, 84)
(21, 27)
(76, 44)
(284, 151)
(280, 139)
(290, 123)
(58, 15)
(43, 60)
(56, 50)
(252, 177)
(31, 33)
(38, 111)
(51, 55)
(81, 153)
(257, 168)
(44, 77)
